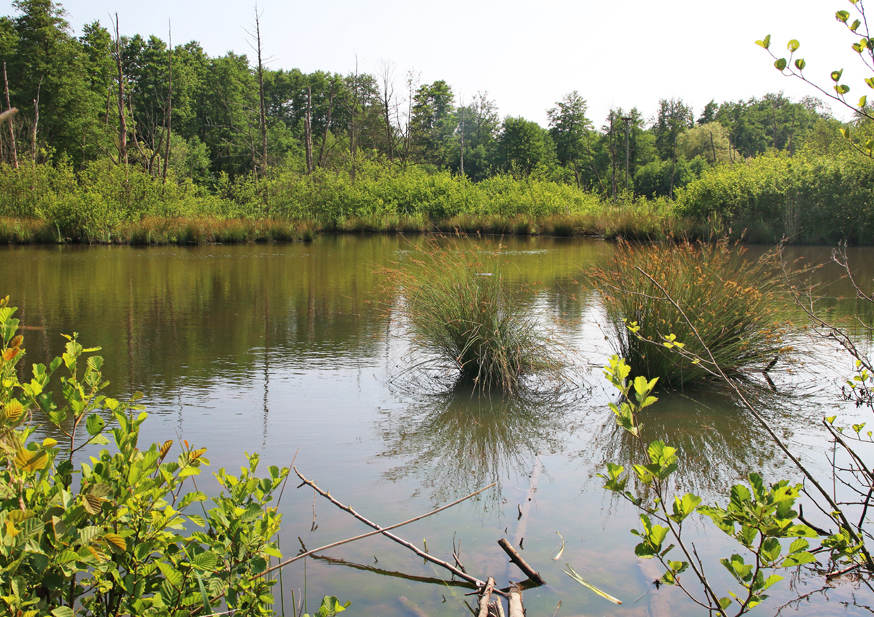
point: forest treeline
(113, 129)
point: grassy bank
(806, 198)
(104, 203)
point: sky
(525, 55)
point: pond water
(298, 351)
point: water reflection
(719, 442)
(459, 440)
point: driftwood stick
(445, 564)
(516, 609)
(486, 597)
(516, 558)
(371, 533)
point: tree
(673, 118)
(432, 122)
(478, 131)
(709, 113)
(522, 146)
(709, 141)
(572, 134)
(49, 82)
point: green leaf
(780, 64)
(94, 424)
(765, 42)
(800, 64)
(836, 75)
(842, 89)
(842, 16)
(774, 578)
(793, 45)
(207, 561)
(63, 611)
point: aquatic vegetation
(460, 308)
(730, 300)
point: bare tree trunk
(387, 93)
(612, 160)
(35, 122)
(263, 110)
(309, 130)
(327, 128)
(461, 155)
(353, 128)
(411, 81)
(169, 114)
(13, 147)
(122, 121)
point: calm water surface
(298, 350)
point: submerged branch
(384, 530)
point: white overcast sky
(525, 55)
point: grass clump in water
(729, 298)
(460, 309)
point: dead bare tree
(308, 130)
(169, 107)
(387, 95)
(33, 130)
(122, 121)
(262, 118)
(13, 148)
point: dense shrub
(809, 198)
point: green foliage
(125, 532)
(816, 199)
(659, 178)
(729, 298)
(757, 517)
(460, 309)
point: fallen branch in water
(385, 530)
(516, 558)
(377, 528)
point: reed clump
(730, 300)
(460, 308)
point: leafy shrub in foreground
(118, 535)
